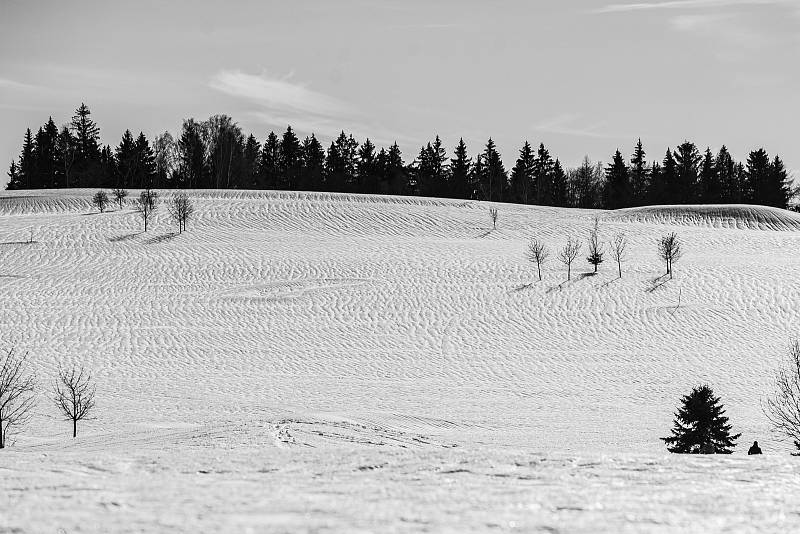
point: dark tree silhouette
(74, 395)
(493, 216)
(700, 425)
(16, 393)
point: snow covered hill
(294, 356)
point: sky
(585, 77)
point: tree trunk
(2, 440)
(619, 266)
(539, 267)
(569, 271)
(74, 428)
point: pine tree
(757, 177)
(313, 164)
(617, 190)
(46, 155)
(460, 167)
(494, 179)
(191, 155)
(395, 174)
(700, 425)
(270, 162)
(252, 151)
(725, 169)
(666, 191)
(543, 176)
(366, 168)
(777, 189)
(709, 187)
(87, 148)
(289, 161)
(559, 185)
(522, 175)
(13, 176)
(65, 154)
(639, 176)
(126, 160)
(687, 160)
(144, 166)
(26, 161)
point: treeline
(216, 154)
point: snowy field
(331, 363)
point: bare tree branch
(537, 252)
(74, 395)
(568, 254)
(16, 394)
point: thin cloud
(569, 124)
(686, 4)
(281, 101)
(278, 94)
(5, 83)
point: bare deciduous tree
(74, 395)
(595, 256)
(16, 394)
(100, 200)
(568, 254)
(146, 205)
(180, 209)
(119, 195)
(618, 246)
(537, 252)
(493, 216)
(669, 249)
(782, 409)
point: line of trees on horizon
(217, 154)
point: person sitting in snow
(755, 449)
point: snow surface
(301, 362)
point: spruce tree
(543, 176)
(366, 168)
(191, 155)
(252, 151)
(709, 187)
(145, 166)
(126, 160)
(87, 148)
(617, 191)
(494, 178)
(26, 161)
(270, 162)
(757, 178)
(460, 166)
(313, 164)
(65, 154)
(777, 189)
(522, 175)
(639, 176)
(667, 189)
(289, 162)
(559, 185)
(13, 176)
(725, 169)
(687, 164)
(700, 425)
